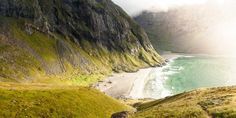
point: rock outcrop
(123, 114)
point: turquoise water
(189, 73)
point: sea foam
(153, 85)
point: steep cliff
(77, 40)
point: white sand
(119, 85)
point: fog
(134, 7)
(209, 27)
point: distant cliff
(191, 29)
(70, 38)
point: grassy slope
(55, 101)
(217, 103)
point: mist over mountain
(205, 28)
(134, 7)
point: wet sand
(119, 85)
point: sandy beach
(119, 85)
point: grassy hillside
(53, 58)
(205, 103)
(55, 102)
(74, 41)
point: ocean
(187, 73)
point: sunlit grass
(217, 103)
(40, 100)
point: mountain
(204, 28)
(69, 40)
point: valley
(90, 59)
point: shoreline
(120, 85)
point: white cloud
(135, 6)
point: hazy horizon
(133, 7)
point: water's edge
(186, 73)
(183, 72)
(139, 89)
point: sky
(133, 7)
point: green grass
(41, 43)
(15, 62)
(55, 101)
(216, 103)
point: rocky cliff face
(45, 37)
(97, 21)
